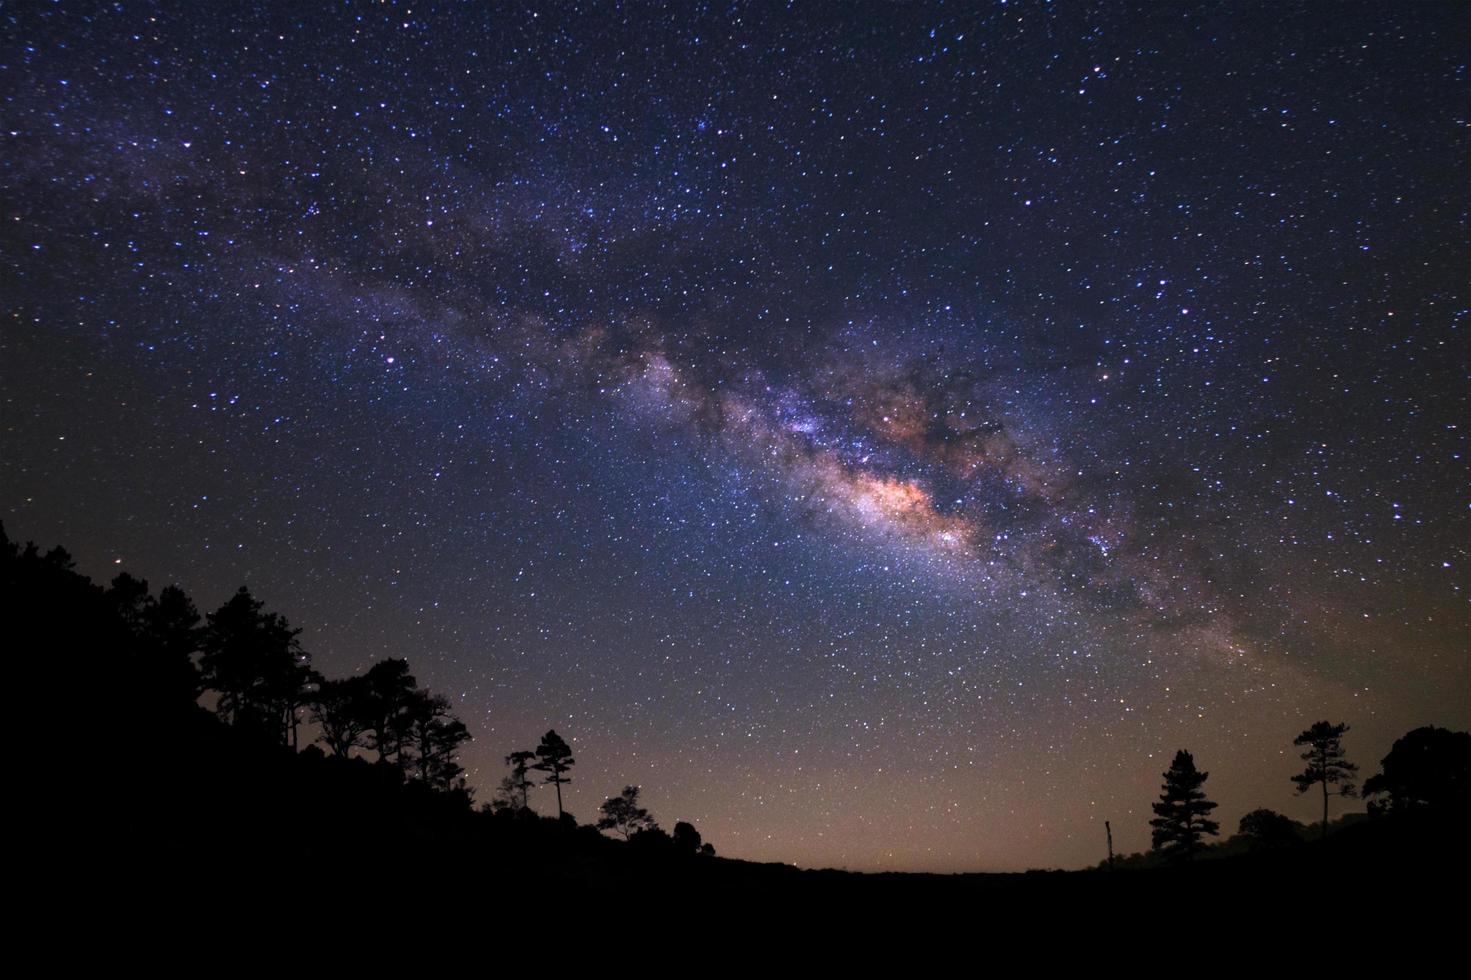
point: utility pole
(1109, 830)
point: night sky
(886, 433)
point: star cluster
(884, 432)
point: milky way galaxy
(884, 432)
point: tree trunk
(1323, 762)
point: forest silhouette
(212, 742)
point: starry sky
(883, 432)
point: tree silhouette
(432, 737)
(132, 603)
(253, 661)
(1325, 764)
(217, 789)
(1181, 814)
(554, 758)
(165, 635)
(520, 763)
(338, 709)
(174, 630)
(623, 814)
(1426, 770)
(296, 693)
(387, 700)
(507, 797)
(686, 838)
(1269, 829)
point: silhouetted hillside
(176, 796)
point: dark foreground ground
(258, 820)
(239, 855)
(146, 831)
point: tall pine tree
(520, 778)
(555, 758)
(1182, 813)
(1326, 764)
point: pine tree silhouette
(624, 815)
(555, 757)
(1326, 764)
(520, 781)
(1181, 814)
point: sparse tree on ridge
(296, 693)
(389, 695)
(507, 796)
(1326, 764)
(520, 763)
(174, 628)
(623, 814)
(1427, 771)
(165, 633)
(554, 757)
(1268, 829)
(432, 737)
(1181, 815)
(253, 661)
(337, 708)
(686, 838)
(130, 598)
